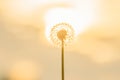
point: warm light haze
(26, 52)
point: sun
(59, 15)
(64, 15)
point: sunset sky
(25, 46)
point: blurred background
(26, 53)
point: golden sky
(93, 55)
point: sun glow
(65, 15)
